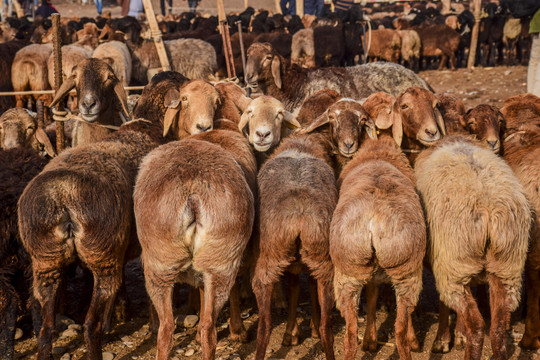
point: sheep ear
(122, 99)
(170, 116)
(317, 123)
(276, 67)
(64, 89)
(43, 139)
(290, 120)
(371, 130)
(462, 121)
(242, 125)
(397, 125)
(383, 122)
(172, 98)
(440, 121)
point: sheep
(511, 32)
(315, 105)
(19, 128)
(295, 214)
(521, 151)
(291, 85)
(329, 45)
(378, 234)
(410, 48)
(385, 45)
(102, 100)
(19, 166)
(479, 221)
(205, 248)
(72, 55)
(452, 111)
(193, 58)
(29, 72)
(303, 48)
(8, 51)
(487, 123)
(116, 54)
(439, 40)
(80, 208)
(234, 101)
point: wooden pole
(57, 54)
(242, 50)
(221, 11)
(156, 35)
(245, 4)
(474, 35)
(446, 7)
(278, 7)
(299, 7)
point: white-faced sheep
(268, 70)
(378, 234)
(206, 246)
(295, 213)
(102, 100)
(479, 221)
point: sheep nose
(88, 103)
(262, 135)
(431, 132)
(493, 144)
(349, 145)
(202, 128)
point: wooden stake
(300, 8)
(221, 11)
(156, 35)
(242, 51)
(57, 53)
(474, 35)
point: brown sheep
(205, 248)
(452, 111)
(385, 45)
(378, 234)
(411, 48)
(8, 51)
(522, 152)
(303, 48)
(439, 40)
(234, 101)
(479, 221)
(295, 215)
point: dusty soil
(133, 340)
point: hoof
(415, 346)
(242, 336)
(370, 346)
(315, 334)
(460, 341)
(529, 342)
(289, 340)
(440, 347)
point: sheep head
(19, 129)
(487, 123)
(262, 60)
(416, 109)
(379, 107)
(265, 121)
(346, 118)
(191, 110)
(98, 90)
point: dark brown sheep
(378, 234)
(439, 40)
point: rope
(66, 115)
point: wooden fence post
(57, 56)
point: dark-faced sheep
(295, 215)
(378, 234)
(205, 247)
(268, 70)
(80, 207)
(479, 221)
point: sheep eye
(184, 98)
(30, 129)
(404, 107)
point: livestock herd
(356, 175)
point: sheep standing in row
(378, 234)
(295, 215)
(200, 233)
(8, 50)
(479, 221)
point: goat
(479, 221)
(378, 234)
(102, 100)
(291, 85)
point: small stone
(134, 357)
(245, 315)
(66, 356)
(178, 336)
(77, 327)
(69, 333)
(507, 72)
(62, 322)
(190, 352)
(180, 351)
(57, 350)
(107, 355)
(18, 334)
(190, 321)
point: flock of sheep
(357, 175)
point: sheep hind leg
(531, 336)
(326, 299)
(499, 316)
(263, 294)
(460, 339)
(8, 318)
(347, 302)
(46, 286)
(290, 338)
(370, 336)
(103, 296)
(411, 335)
(442, 339)
(403, 314)
(238, 332)
(315, 322)
(161, 296)
(474, 325)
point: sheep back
(117, 55)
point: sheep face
(193, 110)
(19, 129)
(487, 123)
(98, 89)
(263, 122)
(379, 107)
(260, 59)
(418, 113)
